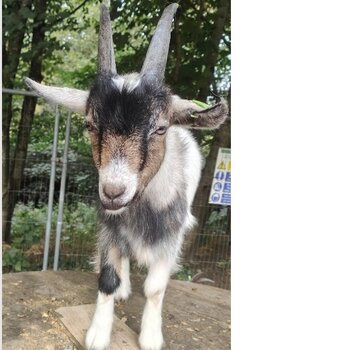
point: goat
(149, 167)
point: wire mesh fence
(206, 257)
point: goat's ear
(73, 99)
(191, 115)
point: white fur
(99, 333)
(124, 290)
(116, 212)
(158, 276)
(193, 164)
(119, 82)
(118, 172)
(151, 337)
(128, 81)
(176, 167)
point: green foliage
(78, 58)
(28, 225)
(134, 23)
(42, 133)
(81, 171)
(201, 104)
(28, 230)
(14, 260)
(217, 222)
(185, 274)
(79, 223)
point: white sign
(221, 186)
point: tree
(46, 16)
(28, 108)
(16, 14)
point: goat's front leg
(151, 337)
(113, 282)
(124, 290)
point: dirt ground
(194, 317)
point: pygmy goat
(149, 167)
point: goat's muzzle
(113, 196)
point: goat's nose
(113, 191)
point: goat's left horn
(106, 60)
(157, 52)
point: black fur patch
(124, 112)
(151, 224)
(110, 236)
(108, 280)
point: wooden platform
(77, 320)
(51, 310)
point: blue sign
(220, 192)
(226, 198)
(219, 175)
(227, 187)
(215, 197)
(217, 186)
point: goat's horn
(157, 52)
(106, 60)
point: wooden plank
(76, 319)
(207, 293)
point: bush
(28, 225)
(28, 232)
(79, 222)
(14, 260)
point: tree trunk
(28, 108)
(213, 53)
(12, 46)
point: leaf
(201, 104)
(25, 12)
(18, 266)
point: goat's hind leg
(151, 337)
(99, 333)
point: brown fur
(129, 147)
(114, 259)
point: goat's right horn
(106, 60)
(157, 52)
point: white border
(291, 175)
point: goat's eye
(90, 127)
(161, 130)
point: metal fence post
(62, 193)
(51, 189)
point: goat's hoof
(97, 338)
(151, 340)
